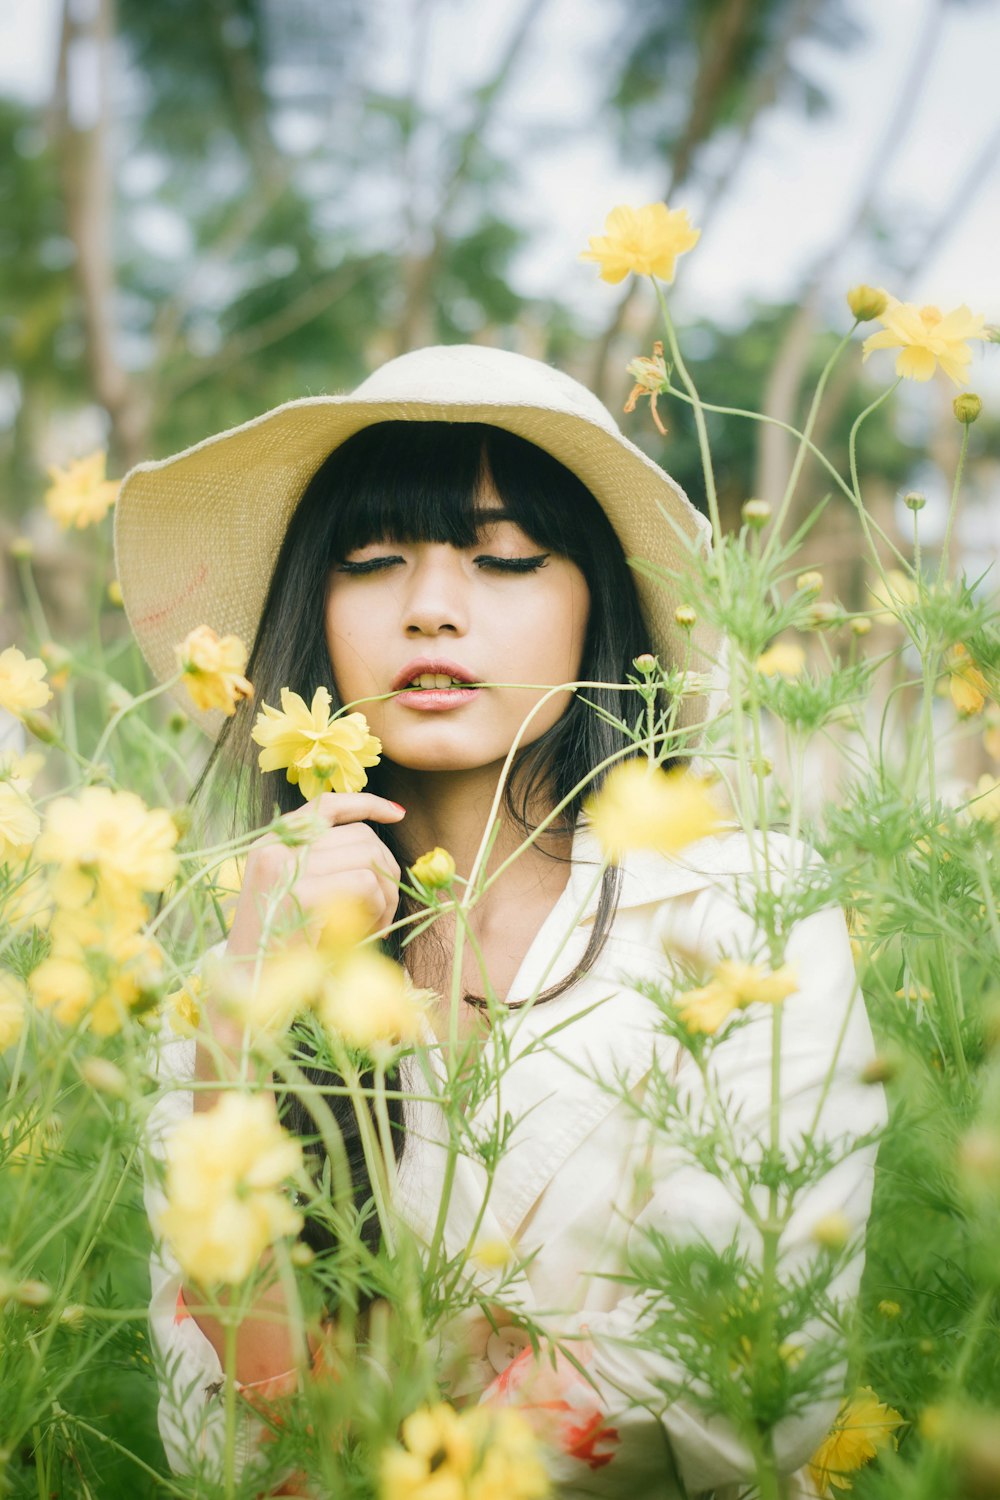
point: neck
(450, 809)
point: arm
(624, 1413)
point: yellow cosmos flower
(782, 659)
(267, 1001)
(98, 970)
(22, 682)
(19, 823)
(968, 687)
(863, 1426)
(643, 808)
(644, 240)
(224, 1187)
(370, 1001)
(12, 993)
(434, 869)
(213, 669)
(318, 753)
(183, 1006)
(107, 844)
(81, 494)
(733, 987)
(477, 1454)
(927, 337)
(898, 593)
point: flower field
(838, 729)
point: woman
(467, 513)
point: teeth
(436, 680)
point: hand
(345, 858)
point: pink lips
(434, 698)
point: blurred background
(212, 206)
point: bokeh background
(212, 206)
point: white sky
(797, 187)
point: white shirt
(583, 1177)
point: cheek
(345, 644)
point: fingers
(355, 807)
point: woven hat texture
(197, 534)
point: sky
(798, 186)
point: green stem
(953, 505)
(804, 442)
(856, 484)
(127, 708)
(699, 415)
(229, 1405)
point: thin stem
(953, 505)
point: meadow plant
(115, 902)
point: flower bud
(72, 1315)
(55, 657)
(21, 548)
(646, 663)
(756, 513)
(300, 1254)
(104, 1076)
(115, 594)
(979, 1156)
(861, 625)
(879, 1070)
(832, 1231)
(434, 869)
(40, 725)
(914, 500)
(32, 1293)
(823, 615)
(967, 408)
(811, 581)
(889, 1309)
(178, 721)
(685, 616)
(867, 302)
(182, 818)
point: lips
(431, 667)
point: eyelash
(499, 564)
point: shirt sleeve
(622, 1415)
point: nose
(436, 600)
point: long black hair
(420, 482)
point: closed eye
(513, 564)
(484, 560)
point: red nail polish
(396, 804)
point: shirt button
(503, 1347)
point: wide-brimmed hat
(197, 534)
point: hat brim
(197, 534)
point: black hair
(420, 482)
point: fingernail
(396, 804)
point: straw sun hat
(197, 535)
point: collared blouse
(583, 1177)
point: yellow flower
(110, 844)
(22, 684)
(651, 377)
(492, 1254)
(434, 869)
(370, 1001)
(19, 823)
(734, 986)
(81, 494)
(863, 1426)
(781, 659)
(986, 803)
(926, 338)
(268, 999)
(98, 969)
(12, 993)
(889, 1309)
(967, 685)
(184, 1006)
(213, 669)
(899, 592)
(225, 1201)
(318, 753)
(644, 240)
(477, 1454)
(639, 807)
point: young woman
(467, 514)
